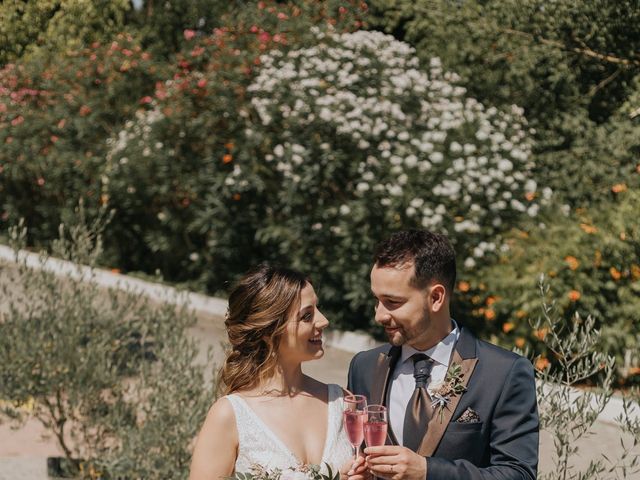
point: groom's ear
(437, 296)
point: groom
(459, 408)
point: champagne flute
(353, 418)
(375, 425)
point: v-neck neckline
(276, 438)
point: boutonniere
(442, 392)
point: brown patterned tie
(419, 410)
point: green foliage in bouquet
(592, 256)
(109, 375)
(304, 472)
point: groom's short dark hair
(431, 253)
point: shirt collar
(440, 353)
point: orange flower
(489, 314)
(634, 371)
(574, 295)
(507, 327)
(491, 300)
(520, 342)
(521, 314)
(588, 228)
(228, 145)
(615, 273)
(530, 196)
(619, 187)
(115, 270)
(236, 196)
(464, 286)
(227, 158)
(85, 110)
(572, 262)
(542, 363)
(541, 333)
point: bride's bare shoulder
(221, 415)
(216, 447)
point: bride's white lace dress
(259, 445)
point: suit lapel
(383, 369)
(465, 356)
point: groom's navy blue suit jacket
(501, 441)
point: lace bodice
(259, 445)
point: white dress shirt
(403, 384)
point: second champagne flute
(353, 418)
(375, 425)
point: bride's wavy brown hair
(260, 305)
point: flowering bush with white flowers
(331, 145)
(355, 124)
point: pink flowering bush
(55, 115)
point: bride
(273, 415)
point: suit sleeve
(514, 435)
(351, 374)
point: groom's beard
(410, 334)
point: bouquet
(302, 472)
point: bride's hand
(355, 470)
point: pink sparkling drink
(353, 424)
(375, 433)
(375, 426)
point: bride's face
(302, 339)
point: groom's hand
(395, 463)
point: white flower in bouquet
(294, 475)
